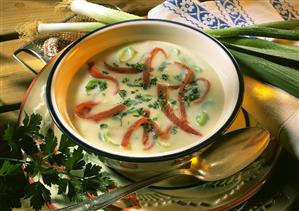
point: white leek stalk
(99, 12)
(68, 27)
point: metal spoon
(229, 154)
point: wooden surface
(14, 78)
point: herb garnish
(45, 160)
(136, 111)
(144, 97)
(174, 130)
(122, 93)
(154, 105)
(138, 82)
(105, 72)
(179, 77)
(96, 83)
(162, 66)
(139, 112)
(103, 126)
(137, 66)
(129, 102)
(154, 81)
(192, 92)
(172, 101)
(165, 77)
(148, 127)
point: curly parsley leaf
(31, 125)
(11, 191)
(75, 161)
(94, 180)
(47, 163)
(8, 168)
(50, 176)
(50, 143)
(28, 144)
(9, 136)
(38, 195)
(91, 170)
(65, 144)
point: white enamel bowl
(79, 52)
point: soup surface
(145, 97)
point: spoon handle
(109, 197)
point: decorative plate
(181, 192)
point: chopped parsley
(154, 81)
(196, 68)
(129, 102)
(165, 77)
(173, 102)
(154, 105)
(179, 77)
(174, 130)
(192, 92)
(136, 113)
(155, 118)
(96, 83)
(119, 116)
(105, 72)
(148, 127)
(144, 97)
(125, 80)
(139, 112)
(138, 82)
(161, 99)
(137, 66)
(156, 135)
(162, 66)
(103, 126)
(122, 93)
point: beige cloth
(275, 109)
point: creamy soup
(145, 97)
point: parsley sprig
(31, 162)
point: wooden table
(14, 78)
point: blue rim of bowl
(167, 157)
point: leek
(68, 27)
(99, 12)
(202, 118)
(163, 143)
(279, 53)
(255, 30)
(289, 24)
(105, 137)
(280, 76)
(126, 54)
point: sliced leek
(105, 137)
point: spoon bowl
(229, 154)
